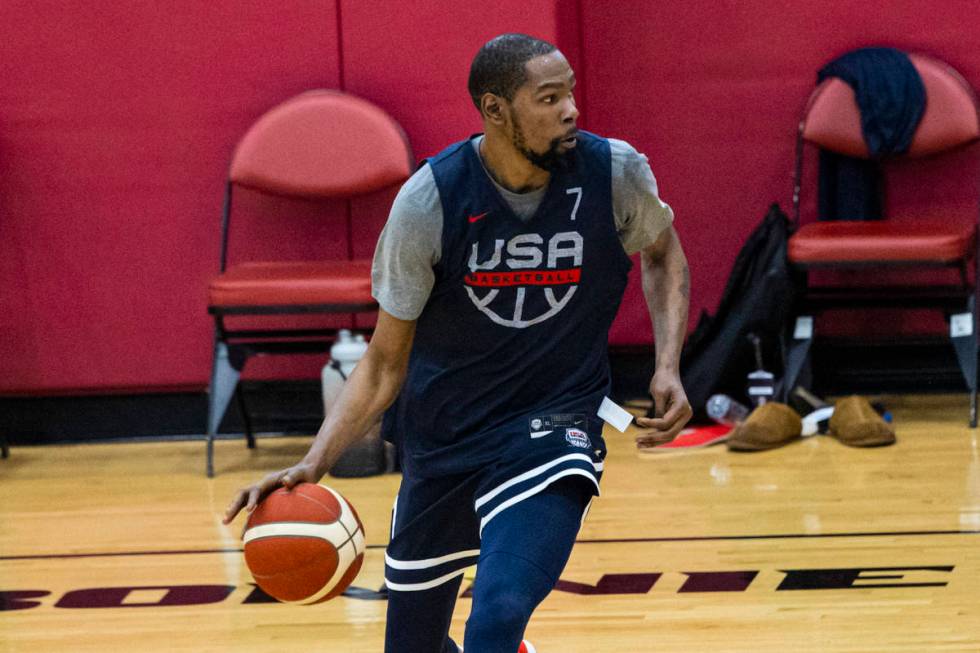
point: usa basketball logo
(534, 281)
(577, 438)
(525, 281)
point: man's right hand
(249, 497)
(371, 388)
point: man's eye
(549, 99)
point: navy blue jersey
(510, 353)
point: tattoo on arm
(685, 282)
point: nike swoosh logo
(474, 218)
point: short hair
(498, 67)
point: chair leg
(224, 379)
(974, 305)
(973, 409)
(963, 333)
(972, 381)
(797, 355)
(246, 419)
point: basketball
(304, 545)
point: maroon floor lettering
(717, 581)
(612, 584)
(16, 599)
(114, 597)
(844, 579)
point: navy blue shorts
(437, 522)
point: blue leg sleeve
(522, 554)
(418, 622)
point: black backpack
(758, 299)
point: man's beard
(552, 159)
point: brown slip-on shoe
(855, 423)
(769, 426)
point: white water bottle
(368, 456)
(347, 350)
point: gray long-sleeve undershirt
(410, 244)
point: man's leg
(435, 537)
(522, 554)
(418, 621)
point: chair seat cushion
(261, 283)
(896, 241)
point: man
(498, 274)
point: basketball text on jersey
(508, 288)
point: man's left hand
(672, 408)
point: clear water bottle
(725, 410)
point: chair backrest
(832, 120)
(322, 143)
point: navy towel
(892, 99)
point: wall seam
(342, 82)
(584, 81)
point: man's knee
(501, 611)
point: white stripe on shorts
(534, 472)
(415, 587)
(429, 562)
(574, 471)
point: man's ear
(493, 109)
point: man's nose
(570, 113)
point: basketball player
(498, 274)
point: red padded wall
(117, 121)
(116, 125)
(712, 93)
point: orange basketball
(304, 545)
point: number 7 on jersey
(577, 192)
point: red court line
(56, 556)
(628, 540)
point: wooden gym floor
(813, 547)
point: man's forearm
(667, 290)
(371, 388)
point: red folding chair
(832, 121)
(318, 145)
